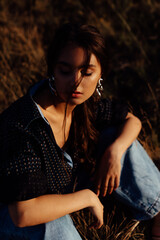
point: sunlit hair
(83, 133)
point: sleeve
(110, 112)
(21, 173)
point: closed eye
(85, 73)
(67, 72)
(88, 74)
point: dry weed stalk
(111, 230)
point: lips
(76, 94)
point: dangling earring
(52, 85)
(99, 87)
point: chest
(60, 132)
(60, 128)
(52, 161)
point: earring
(52, 85)
(99, 88)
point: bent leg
(139, 183)
(140, 179)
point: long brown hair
(83, 132)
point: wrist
(92, 198)
(117, 149)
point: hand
(96, 209)
(107, 176)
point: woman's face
(70, 71)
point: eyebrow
(69, 65)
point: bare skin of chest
(59, 128)
(59, 123)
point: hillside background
(132, 32)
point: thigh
(61, 229)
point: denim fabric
(59, 229)
(139, 183)
(140, 179)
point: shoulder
(111, 110)
(15, 134)
(19, 113)
(103, 104)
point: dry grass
(20, 54)
(118, 225)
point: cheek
(60, 81)
(91, 83)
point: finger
(104, 188)
(110, 185)
(97, 188)
(99, 225)
(92, 225)
(97, 192)
(96, 225)
(116, 183)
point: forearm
(107, 177)
(48, 207)
(128, 133)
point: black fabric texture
(31, 163)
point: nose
(77, 77)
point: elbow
(19, 222)
(19, 219)
(138, 123)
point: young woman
(59, 133)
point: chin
(75, 102)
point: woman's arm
(108, 175)
(129, 131)
(50, 207)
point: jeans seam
(154, 204)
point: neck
(60, 106)
(52, 103)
